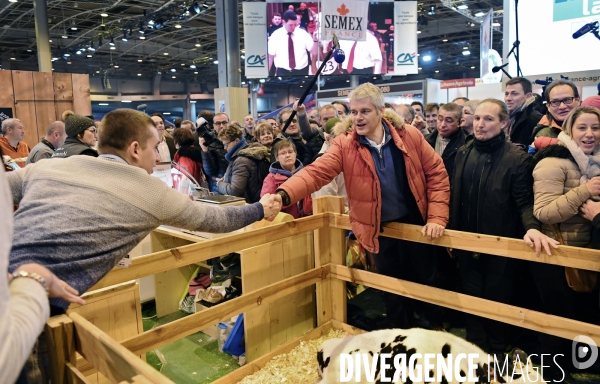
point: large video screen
(373, 56)
(545, 31)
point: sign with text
(347, 19)
(255, 23)
(458, 83)
(406, 60)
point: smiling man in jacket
(392, 175)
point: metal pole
(354, 81)
(221, 43)
(253, 101)
(42, 35)
(232, 40)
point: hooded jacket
(241, 178)
(425, 172)
(214, 163)
(304, 154)
(559, 194)
(278, 176)
(190, 158)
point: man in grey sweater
(55, 138)
(80, 215)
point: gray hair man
(12, 143)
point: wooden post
(61, 347)
(233, 101)
(330, 248)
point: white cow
(365, 348)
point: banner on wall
(255, 24)
(486, 44)
(406, 60)
(457, 83)
(347, 19)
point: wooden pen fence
(326, 276)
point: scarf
(489, 145)
(242, 143)
(589, 165)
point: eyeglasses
(93, 130)
(219, 123)
(566, 101)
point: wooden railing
(329, 277)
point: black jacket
(314, 139)
(522, 129)
(213, 162)
(171, 145)
(73, 147)
(505, 206)
(457, 140)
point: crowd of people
(519, 168)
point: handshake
(272, 204)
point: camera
(203, 129)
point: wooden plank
(61, 346)
(102, 294)
(524, 318)
(45, 112)
(330, 248)
(7, 94)
(194, 253)
(74, 376)
(25, 105)
(23, 85)
(567, 256)
(63, 93)
(82, 104)
(175, 330)
(109, 357)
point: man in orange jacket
(392, 175)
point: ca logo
(256, 61)
(406, 58)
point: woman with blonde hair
(264, 134)
(566, 175)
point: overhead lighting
(480, 14)
(73, 26)
(473, 67)
(97, 71)
(78, 52)
(124, 38)
(139, 74)
(431, 10)
(463, 6)
(183, 64)
(445, 39)
(13, 58)
(216, 62)
(242, 57)
(466, 53)
(102, 103)
(192, 66)
(116, 66)
(195, 73)
(466, 47)
(347, 81)
(436, 71)
(177, 26)
(112, 42)
(427, 57)
(67, 54)
(439, 58)
(302, 86)
(142, 37)
(104, 14)
(243, 83)
(166, 113)
(125, 101)
(166, 53)
(418, 32)
(113, 48)
(50, 40)
(65, 36)
(196, 8)
(173, 70)
(262, 80)
(140, 60)
(12, 1)
(88, 56)
(30, 50)
(198, 43)
(173, 77)
(495, 24)
(420, 68)
(205, 5)
(193, 101)
(91, 48)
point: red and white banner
(458, 83)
